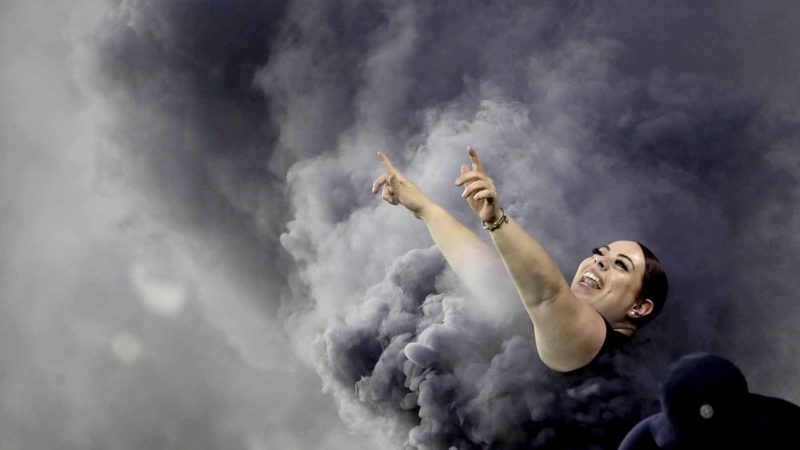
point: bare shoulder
(569, 333)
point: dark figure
(706, 404)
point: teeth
(594, 278)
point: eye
(621, 264)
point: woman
(616, 290)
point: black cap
(706, 405)
(703, 397)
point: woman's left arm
(568, 332)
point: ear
(641, 308)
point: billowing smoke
(231, 147)
(586, 147)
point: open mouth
(592, 281)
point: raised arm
(472, 259)
(568, 332)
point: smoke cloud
(195, 259)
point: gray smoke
(587, 146)
(208, 257)
(105, 295)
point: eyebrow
(608, 249)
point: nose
(600, 260)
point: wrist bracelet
(503, 219)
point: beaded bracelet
(503, 219)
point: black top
(599, 385)
(614, 340)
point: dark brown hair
(654, 286)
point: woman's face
(610, 279)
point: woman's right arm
(466, 253)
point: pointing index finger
(477, 165)
(386, 163)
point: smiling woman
(619, 275)
(615, 291)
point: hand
(398, 190)
(479, 189)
